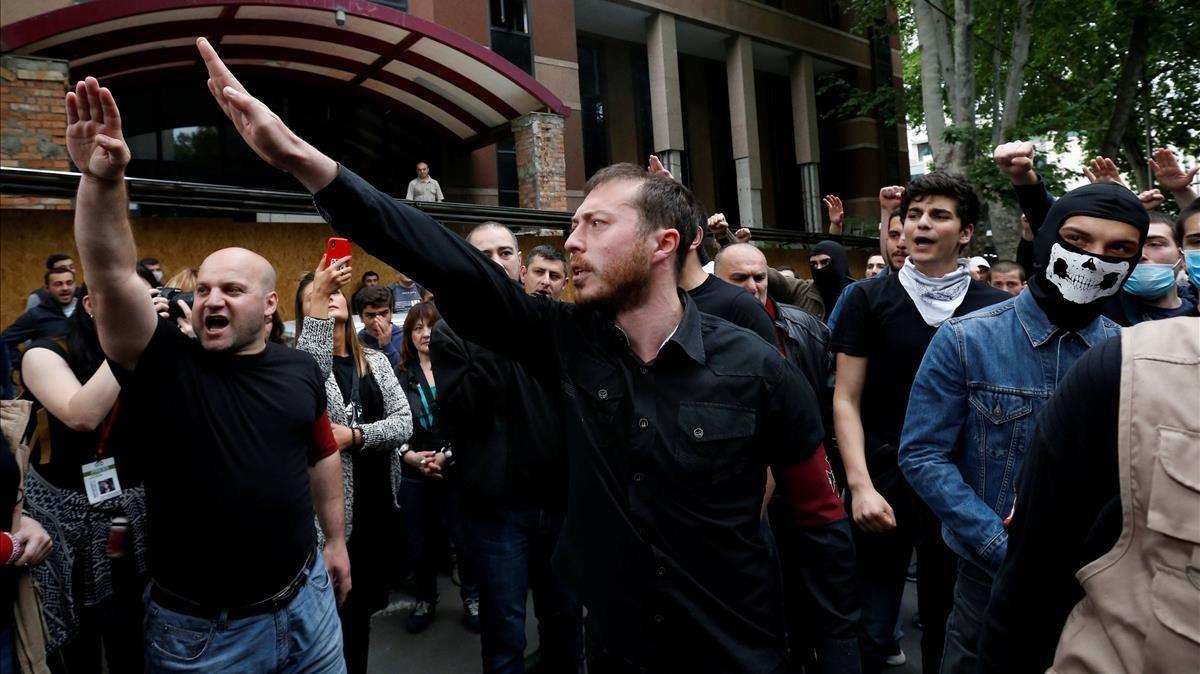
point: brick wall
(34, 124)
(541, 161)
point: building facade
(510, 102)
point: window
(924, 151)
(401, 5)
(509, 15)
(591, 92)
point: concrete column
(666, 103)
(541, 161)
(808, 147)
(743, 122)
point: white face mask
(1082, 278)
(157, 275)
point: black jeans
(971, 595)
(883, 560)
(427, 503)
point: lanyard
(106, 429)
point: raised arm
(125, 320)
(472, 291)
(1172, 176)
(82, 407)
(1015, 160)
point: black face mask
(834, 276)
(1072, 285)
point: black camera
(172, 294)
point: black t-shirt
(370, 400)
(227, 488)
(58, 452)
(880, 322)
(1068, 514)
(735, 305)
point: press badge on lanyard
(100, 480)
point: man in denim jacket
(986, 375)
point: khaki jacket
(1141, 610)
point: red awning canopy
(420, 69)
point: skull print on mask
(1070, 284)
(1083, 278)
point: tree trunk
(962, 108)
(1131, 147)
(1127, 84)
(1015, 82)
(931, 80)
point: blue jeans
(514, 549)
(304, 636)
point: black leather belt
(174, 602)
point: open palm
(94, 138)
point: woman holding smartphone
(427, 494)
(370, 418)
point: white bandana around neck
(936, 298)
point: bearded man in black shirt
(238, 583)
(671, 416)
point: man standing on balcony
(424, 188)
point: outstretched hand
(1103, 170)
(837, 213)
(1151, 199)
(1168, 171)
(94, 138)
(262, 129)
(656, 167)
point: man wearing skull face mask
(985, 376)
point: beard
(626, 284)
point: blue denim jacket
(971, 416)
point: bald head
(235, 299)
(255, 267)
(499, 244)
(744, 265)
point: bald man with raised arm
(249, 449)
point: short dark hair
(548, 252)
(147, 261)
(662, 203)
(939, 183)
(368, 273)
(371, 296)
(1007, 267)
(1186, 214)
(55, 258)
(56, 270)
(147, 275)
(1160, 218)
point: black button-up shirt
(667, 460)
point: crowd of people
(701, 464)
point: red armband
(323, 443)
(811, 490)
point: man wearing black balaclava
(830, 272)
(985, 377)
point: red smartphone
(336, 248)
